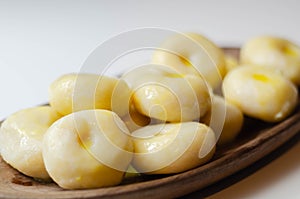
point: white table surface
(41, 40)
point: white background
(41, 40)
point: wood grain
(256, 140)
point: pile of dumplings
(165, 117)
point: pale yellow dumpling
(87, 149)
(260, 92)
(192, 53)
(273, 52)
(21, 137)
(75, 92)
(225, 119)
(166, 95)
(172, 148)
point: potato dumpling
(225, 119)
(21, 137)
(260, 92)
(172, 148)
(75, 92)
(166, 95)
(273, 52)
(192, 53)
(87, 149)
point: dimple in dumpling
(192, 53)
(75, 92)
(260, 92)
(21, 137)
(135, 120)
(164, 94)
(87, 149)
(173, 147)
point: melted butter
(261, 77)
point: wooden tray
(256, 140)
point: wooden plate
(256, 140)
